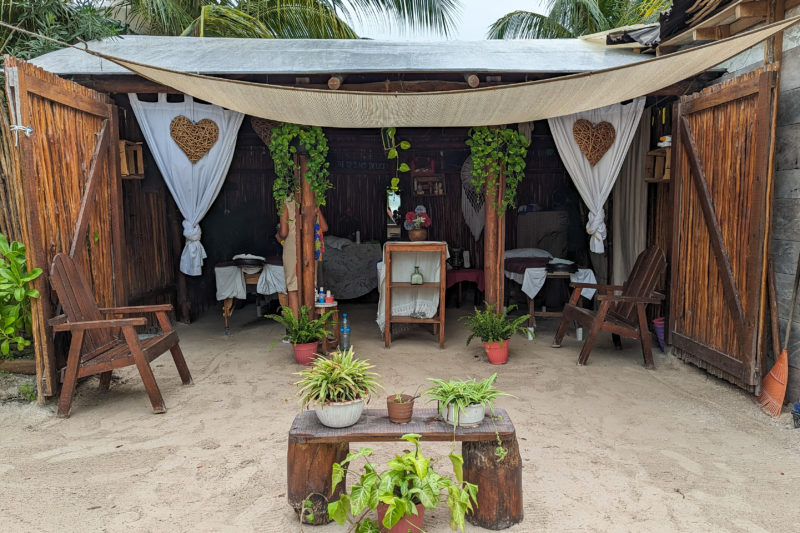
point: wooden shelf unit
(657, 165)
(438, 319)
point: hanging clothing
(319, 241)
(594, 182)
(194, 185)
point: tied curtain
(194, 186)
(594, 183)
(630, 207)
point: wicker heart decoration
(194, 138)
(594, 140)
(263, 128)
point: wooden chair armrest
(597, 286)
(60, 319)
(101, 324)
(134, 309)
(630, 299)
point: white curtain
(194, 186)
(630, 206)
(594, 183)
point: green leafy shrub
(282, 151)
(491, 326)
(341, 377)
(15, 296)
(301, 328)
(409, 480)
(27, 391)
(497, 150)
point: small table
(313, 448)
(457, 277)
(321, 309)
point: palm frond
(224, 21)
(527, 25)
(298, 19)
(439, 17)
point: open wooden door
(721, 140)
(71, 190)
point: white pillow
(336, 242)
(527, 252)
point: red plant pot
(497, 352)
(408, 523)
(305, 354)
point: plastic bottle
(344, 332)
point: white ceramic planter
(470, 416)
(340, 414)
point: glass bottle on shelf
(416, 276)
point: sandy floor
(607, 447)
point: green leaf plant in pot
(337, 386)
(401, 492)
(464, 403)
(303, 331)
(400, 407)
(495, 329)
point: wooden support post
(308, 468)
(499, 483)
(501, 242)
(307, 210)
(490, 245)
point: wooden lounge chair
(620, 314)
(97, 346)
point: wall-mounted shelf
(429, 185)
(657, 165)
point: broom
(773, 386)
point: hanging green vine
(496, 150)
(280, 146)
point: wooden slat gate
(721, 206)
(71, 189)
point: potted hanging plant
(303, 331)
(417, 223)
(400, 407)
(337, 387)
(401, 492)
(495, 329)
(464, 402)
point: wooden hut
(127, 230)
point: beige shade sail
(497, 105)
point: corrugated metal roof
(306, 56)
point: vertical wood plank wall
(786, 207)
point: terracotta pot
(305, 354)
(400, 413)
(408, 523)
(497, 352)
(417, 234)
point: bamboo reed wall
(11, 207)
(55, 161)
(726, 139)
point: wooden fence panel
(721, 205)
(68, 122)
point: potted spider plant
(402, 492)
(464, 402)
(303, 331)
(337, 387)
(495, 329)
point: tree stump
(499, 483)
(308, 470)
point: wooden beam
(472, 80)
(307, 214)
(490, 244)
(751, 9)
(19, 366)
(95, 167)
(121, 83)
(335, 81)
(730, 292)
(712, 34)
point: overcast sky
(476, 16)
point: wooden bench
(313, 448)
